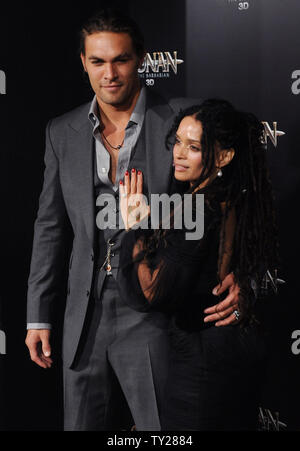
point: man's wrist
(39, 326)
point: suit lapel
(83, 165)
(158, 158)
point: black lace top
(187, 270)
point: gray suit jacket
(67, 199)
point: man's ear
(224, 157)
(83, 61)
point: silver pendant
(107, 265)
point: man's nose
(110, 72)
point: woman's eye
(177, 141)
(197, 149)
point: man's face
(111, 63)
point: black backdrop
(246, 52)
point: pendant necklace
(116, 148)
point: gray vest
(137, 161)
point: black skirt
(214, 379)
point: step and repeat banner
(245, 52)
(248, 53)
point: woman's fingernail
(121, 183)
(126, 173)
(139, 172)
(215, 291)
(133, 170)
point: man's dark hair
(114, 21)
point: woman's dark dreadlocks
(244, 186)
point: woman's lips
(180, 168)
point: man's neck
(117, 116)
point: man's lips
(112, 87)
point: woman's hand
(133, 204)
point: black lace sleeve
(128, 282)
(183, 266)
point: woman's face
(187, 154)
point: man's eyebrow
(116, 58)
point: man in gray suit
(87, 153)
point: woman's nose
(181, 152)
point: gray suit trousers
(132, 345)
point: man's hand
(37, 341)
(223, 311)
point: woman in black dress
(215, 372)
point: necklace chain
(113, 147)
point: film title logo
(2, 342)
(159, 65)
(269, 421)
(270, 133)
(2, 82)
(296, 84)
(242, 6)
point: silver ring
(124, 195)
(237, 314)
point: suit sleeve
(51, 235)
